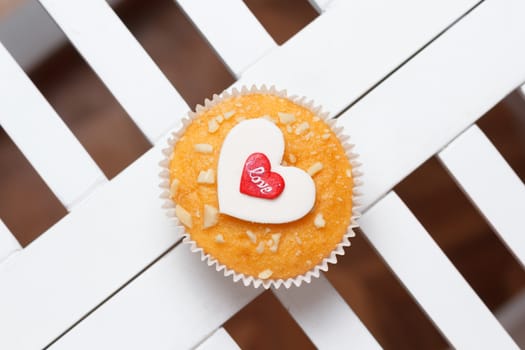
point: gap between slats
(44, 139)
(325, 316)
(430, 277)
(490, 183)
(115, 55)
(238, 48)
(29, 36)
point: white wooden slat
(352, 46)
(43, 137)
(491, 184)
(109, 237)
(179, 284)
(440, 93)
(236, 34)
(320, 5)
(431, 278)
(137, 234)
(325, 317)
(30, 35)
(219, 340)
(120, 62)
(8, 242)
(167, 291)
(175, 304)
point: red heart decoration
(258, 180)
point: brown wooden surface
(29, 208)
(9, 6)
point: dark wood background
(29, 208)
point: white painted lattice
(426, 89)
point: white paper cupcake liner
(248, 280)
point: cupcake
(264, 186)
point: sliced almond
(260, 248)
(315, 168)
(219, 238)
(286, 118)
(292, 158)
(206, 177)
(174, 187)
(302, 128)
(211, 216)
(265, 274)
(276, 237)
(219, 118)
(228, 115)
(268, 118)
(251, 236)
(319, 221)
(309, 136)
(213, 126)
(325, 136)
(184, 216)
(203, 148)
(289, 129)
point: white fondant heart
(261, 136)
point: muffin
(264, 186)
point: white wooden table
(416, 75)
